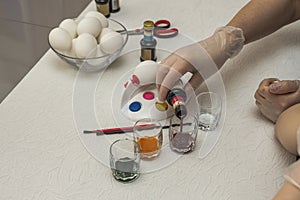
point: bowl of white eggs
(90, 44)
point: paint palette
(107, 99)
(138, 97)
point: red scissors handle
(162, 23)
(166, 33)
(163, 30)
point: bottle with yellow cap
(148, 43)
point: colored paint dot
(126, 84)
(135, 79)
(161, 106)
(135, 106)
(148, 95)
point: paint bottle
(103, 7)
(148, 43)
(114, 6)
(176, 97)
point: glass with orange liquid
(148, 134)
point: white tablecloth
(42, 156)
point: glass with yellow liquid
(148, 134)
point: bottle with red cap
(176, 97)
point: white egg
(103, 32)
(99, 52)
(89, 25)
(69, 25)
(111, 42)
(71, 52)
(60, 39)
(99, 16)
(145, 72)
(100, 60)
(86, 46)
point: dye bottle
(148, 43)
(176, 97)
(114, 6)
(103, 7)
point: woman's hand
(274, 96)
(202, 59)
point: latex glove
(274, 96)
(202, 59)
(292, 174)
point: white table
(42, 156)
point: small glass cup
(125, 160)
(210, 107)
(148, 134)
(183, 134)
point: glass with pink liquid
(183, 133)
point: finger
(161, 74)
(284, 87)
(263, 110)
(192, 88)
(163, 69)
(263, 89)
(170, 60)
(267, 82)
(258, 104)
(178, 68)
(258, 96)
(196, 81)
(168, 82)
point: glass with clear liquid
(126, 169)
(210, 106)
(125, 160)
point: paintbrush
(128, 129)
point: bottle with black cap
(114, 6)
(176, 97)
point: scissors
(161, 30)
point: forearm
(291, 188)
(288, 192)
(262, 17)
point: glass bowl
(99, 62)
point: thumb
(284, 87)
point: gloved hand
(274, 96)
(202, 59)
